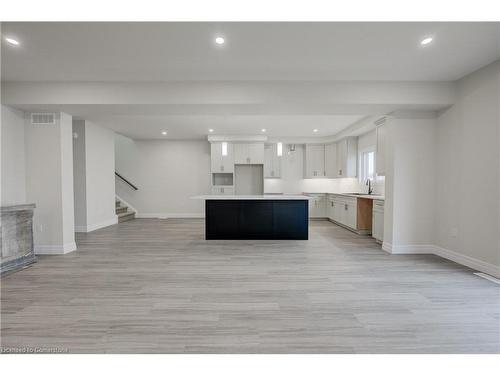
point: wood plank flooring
(156, 286)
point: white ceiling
(188, 126)
(253, 51)
(161, 52)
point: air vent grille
(43, 118)
(380, 121)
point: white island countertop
(270, 197)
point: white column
(49, 184)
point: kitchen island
(256, 217)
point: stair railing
(126, 181)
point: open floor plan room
(251, 187)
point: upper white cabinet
(314, 162)
(272, 162)
(381, 147)
(249, 153)
(331, 160)
(347, 157)
(222, 161)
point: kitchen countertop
(364, 196)
(270, 197)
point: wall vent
(43, 118)
(380, 121)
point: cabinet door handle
(346, 207)
(324, 173)
(340, 172)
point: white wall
(100, 171)
(13, 160)
(79, 176)
(468, 160)
(167, 174)
(49, 184)
(94, 163)
(410, 185)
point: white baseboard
(55, 249)
(464, 260)
(407, 249)
(164, 215)
(92, 227)
(468, 261)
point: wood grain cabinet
(353, 213)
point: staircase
(123, 213)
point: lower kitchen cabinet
(352, 213)
(317, 206)
(378, 220)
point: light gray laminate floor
(157, 286)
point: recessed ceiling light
(263, 130)
(426, 41)
(164, 132)
(315, 130)
(219, 40)
(210, 130)
(12, 41)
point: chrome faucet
(369, 184)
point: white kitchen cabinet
(347, 157)
(314, 162)
(272, 162)
(317, 206)
(381, 147)
(220, 162)
(249, 153)
(330, 208)
(378, 220)
(331, 160)
(351, 214)
(222, 190)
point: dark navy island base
(258, 219)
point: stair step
(117, 203)
(126, 216)
(121, 209)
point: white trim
(487, 277)
(387, 247)
(409, 249)
(126, 203)
(93, 227)
(465, 260)
(55, 249)
(163, 215)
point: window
(367, 167)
